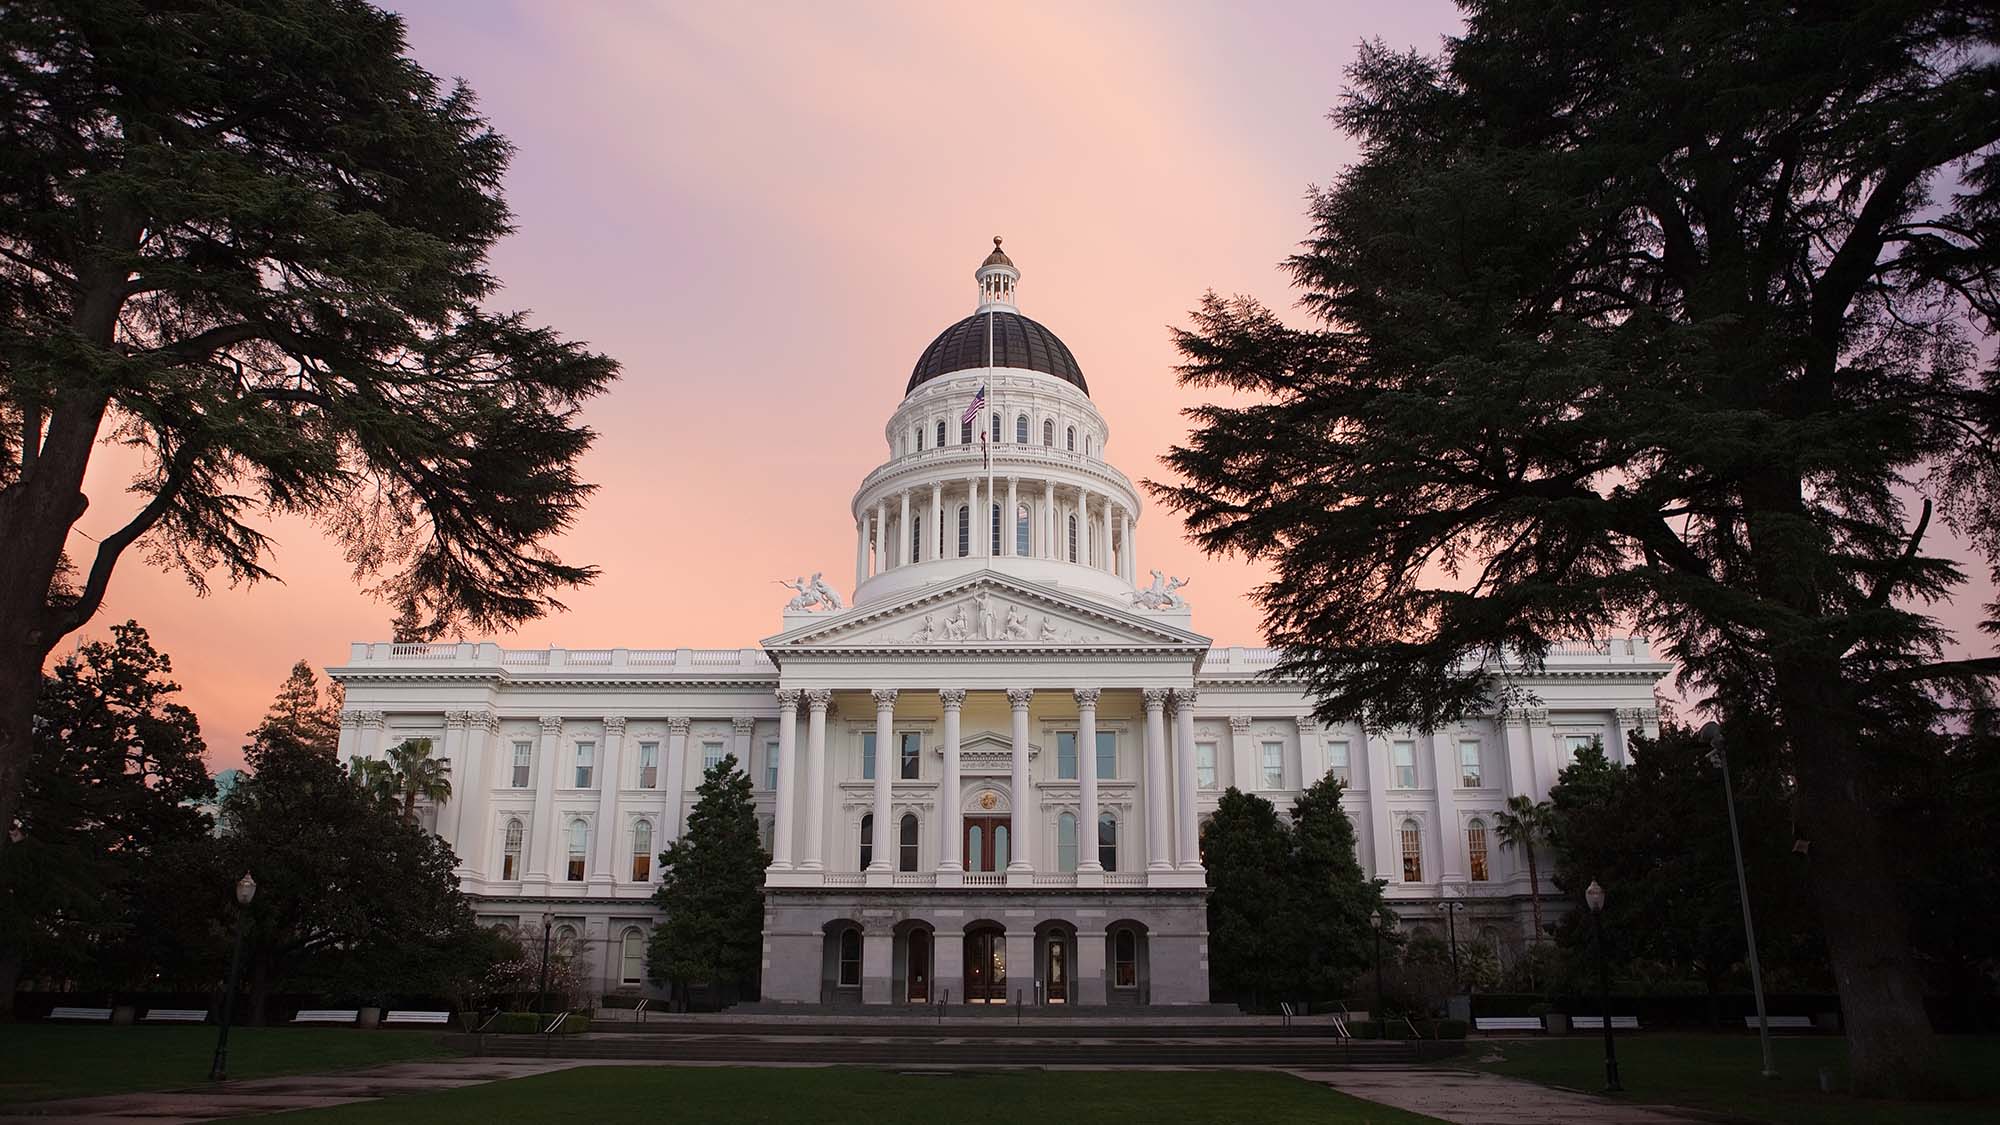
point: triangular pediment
(986, 611)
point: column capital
(953, 698)
(487, 719)
(551, 724)
(1087, 696)
(1156, 698)
(1239, 724)
(614, 724)
(679, 725)
(365, 718)
(885, 697)
(743, 724)
(1185, 697)
(1019, 697)
(788, 699)
(459, 718)
(1307, 724)
(819, 699)
(1536, 716)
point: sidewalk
(1465, 1098)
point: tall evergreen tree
(1647, 313)
(1251, 906)
(1336, 904)
(248, 240)
(712, 889)
(301, 709)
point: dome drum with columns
(983, 781)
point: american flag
(978, 404)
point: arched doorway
(1055, 962)
(985, 964)
(917, 967)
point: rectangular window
(1406, 765)
(585, 752)
(771, 765)
(1066, 755)
(867, 755)
(1204, 764)
(634, 951)
(913, 755)
(524, 753)
(1470, 776)
(711, 755)
(1274, 765)
(1576, 744)
(1107, 754)
(1337, 763)
(649, 765)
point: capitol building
(982, 775)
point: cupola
(997, 279)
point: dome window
(1021, 430)
(1049, 432)
(1072, 439)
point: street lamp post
(1713, 733)
(1593, 896)
(246, 889)
(1380, 922)
(542, 993)
(1450, 911)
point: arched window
(1072, 439)
(975, 848)
(867, 840)
(632, 956)
(1066, 842)
(906, 843)
(940, 433)
(1049, 432)
(1413, 852)
(920, 439)
(579, 846)
(850, 958)
(1086, 444)
(566, 936)
(993, 435)
(1021, 430)
(964, 530)
(965, 432)
(1475, 849)
(1072, 537)
(1001, 843)
(1021, 545)
(510, 854)
(916, 538)
(1107, 841)
(996, 540)
(642, 851)
(1124, 959)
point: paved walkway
(1466, 1098)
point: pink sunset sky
(764, 212)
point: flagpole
(992, 546)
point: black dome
(1017, 342)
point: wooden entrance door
(988, 843)
(986, 966)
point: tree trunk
(1891, 1049)
(1534, 892)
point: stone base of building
(840, 946)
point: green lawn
(1719, 1072)
(880, 1097)
(39, 1061)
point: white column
(903, 556)
(1312, 761)
(676, 787)
(885, 766)
(1451, 841)
(788, 734)
(972, 513)
(1388, 857)
(1514, 737)
(1008, 535)
(860, 551)
(1158, 857)
(950, 810)
(475, 789)
(1049, 521)
(1124, 545)
(1086, 773)
(817, 701)
(1188, 826)
(935, 537)
(1132, 550)
(541, 845)
(742, 728)
(1083, 536)
(449, 817)
(607, 779)
(881, 520)
(349, 738)
(1243, 771)
(1026, 829)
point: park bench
(1596, 1023)
(1789, 1023)
(176, 1015)
(95, 1015)
(1507, 1023)
(418, 1017)
(327, 1015)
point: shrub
(530, 1023)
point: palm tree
(1526, 825)
(413, 773)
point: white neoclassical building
(983, 781)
